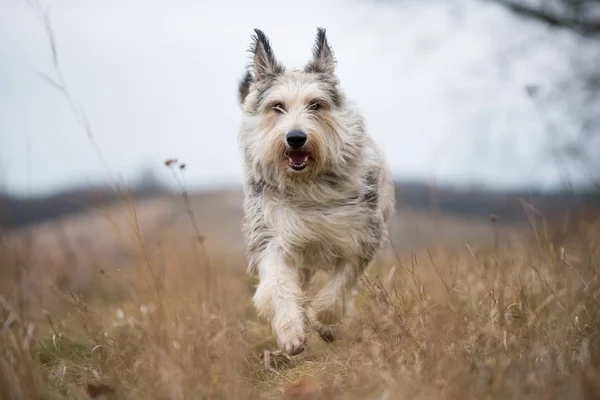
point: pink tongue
(298, 158)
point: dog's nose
(296, 138)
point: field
(149, 300)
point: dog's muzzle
(297, 157)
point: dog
(318, 192)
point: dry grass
(517, 317)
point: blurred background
(491, 96)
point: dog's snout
(296, 138)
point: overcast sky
(438, 85)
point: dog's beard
(276, 162)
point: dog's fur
(331, 215)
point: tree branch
(581, 26)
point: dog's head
(295, 121)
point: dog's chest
(318, 234)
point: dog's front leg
(279, 297)
(333, 301)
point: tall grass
(516, 318)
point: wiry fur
(330, 216)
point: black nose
(296, 138)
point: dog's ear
(244, 86)
(323, 58)
(264, 62)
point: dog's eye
(278, 107)
(314, 106)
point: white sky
(158, 79)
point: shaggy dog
(317, 191)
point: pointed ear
(264, 62)
(244, 87)
(323, 58)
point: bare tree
(579, 16)
(578, 95)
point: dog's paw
(292, 338)
(328, 333)
(293, 345)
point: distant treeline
(485, 203)
(16, 212)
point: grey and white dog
(317, 191)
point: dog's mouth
(297, 159)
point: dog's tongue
(298, 158)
